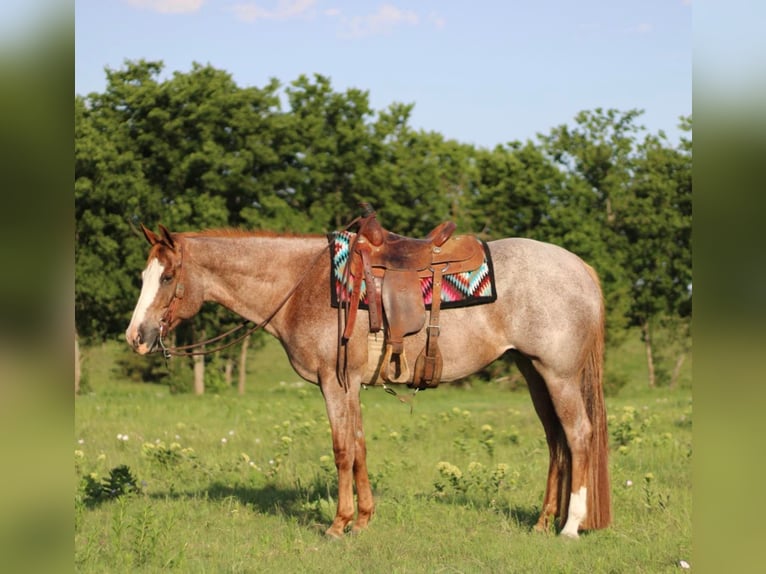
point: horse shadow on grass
(314, 508)
(525, 517)
(296, 503)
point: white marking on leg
(577, 511)
(151, 284)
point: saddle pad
(458, 289)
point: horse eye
(165, 279)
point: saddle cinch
(392, 267)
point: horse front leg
(365, 501)
(343, 449)
(349, 448)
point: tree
(655, 219)
(419, 178)
(518, 187)
(597, 154)
(77, 366)
(110, 190)
(196, 150)
(181, 152)
(635, 201)
(332, 154)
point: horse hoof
(544, 524)
(333, 534)
(570, 535)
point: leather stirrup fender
(428, 366)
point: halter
(167, 317)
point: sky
(484, 72)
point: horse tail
(599, 505)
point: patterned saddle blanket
(463, 289)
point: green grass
(234, 483)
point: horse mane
(234, 232)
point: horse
(548, 312)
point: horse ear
(166, 238)
(151, 237)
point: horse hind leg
(569, 405)
(579, 404)
(559, 478)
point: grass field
(228, 483)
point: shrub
(119, 482)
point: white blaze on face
(577, 512)
(151, 284)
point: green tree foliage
(110, 188)
(332, 152)
(633, 202)
(655, 219)
(597, 153)
(195, 150)
(520, 189)
(423, 179)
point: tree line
(195, 150)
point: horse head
(165, 298)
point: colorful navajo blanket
(458, 289)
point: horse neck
(251, 274)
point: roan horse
(549, 311)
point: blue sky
(481, 72)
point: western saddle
(392, 267)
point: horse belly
(469, 340)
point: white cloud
(643, 28)
(383, 21)
(284, 10)
(168, 6)
(437, 20)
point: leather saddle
(392, 266)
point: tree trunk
(677, 370)
(76, 364)
(227, 370)
(199, 374)
(649, 357)
(243, 365)
(199, 370)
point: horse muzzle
(144, 341)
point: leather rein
(190, 350)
